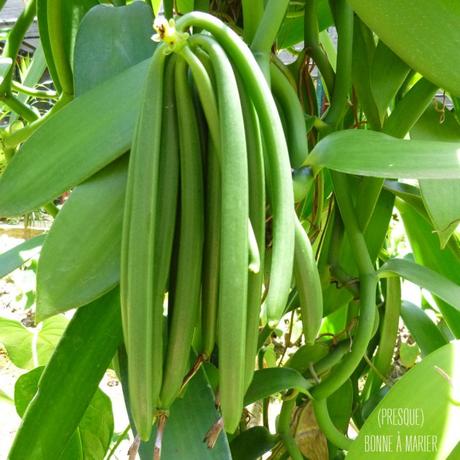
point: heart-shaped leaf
(29, 348)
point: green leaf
(455, 453)
(407, 28)
(94, 433)
(436, 375)
(20, 254)
(369, 153)
(184, 6)
(251, 444)
(428, 337)
(25, 389)
(109, 41)
(308, 354)
(423, 277)
(156, 6)
(408, 354)
(28, 348)
(425, 246)
(388, 73)
(408, 193)
(70, 380)
(48, 337)
(5, 66)
(80, 262)
(190, 418)
(291, 30)
(270, 381)
(80, 259)
(440, 196)
(105, 117)
(96, 427)
(340, 405)
(17, 341)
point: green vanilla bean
(296, 132)
(308, 284)
(211, 272)
(277, 157)
(142, 311)
(234, 245)
(257, 218)
(187, 283)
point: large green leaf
(370, 153)
(407, 28)
(422, 328)
(440, 196)
(87, 134)
(80, 259)
(94, 433)
(425, 278)
(70, 380)
(435, 421)
(109, 41)
(20, 254)
(426, 249)
(29, 348)
(273, 380)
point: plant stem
(342, 86)
(388, 334)
(332, 433)
(45, 94)
(21, 135)
(19, 107)
(284, 429)
(406, 113)
(368, 284)
(118, 442)
(253, 11)
(312, 45)
(266, 33)
(56, 34)
(14, 40)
